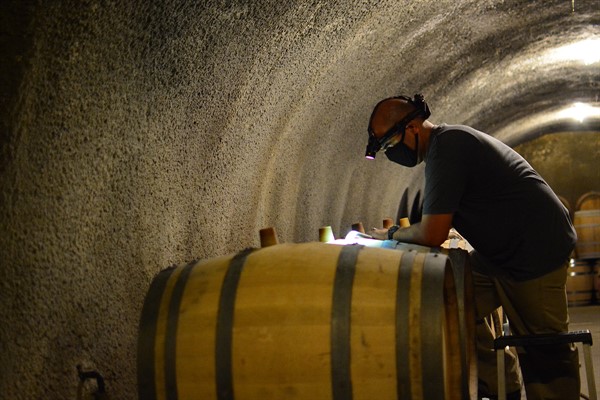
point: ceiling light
(586, 51)
(579, 112)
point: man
(521, 234)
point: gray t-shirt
(501, 205)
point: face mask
(404, 155)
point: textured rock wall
(143, 136)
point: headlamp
(373, 147)
(374, 144)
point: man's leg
(486, 301)
(540, 306)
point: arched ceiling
(275, 96)
(506, 67)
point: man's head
(388, 123)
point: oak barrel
(588, 201)
(303, 321)
(580, 283)
(587, 225)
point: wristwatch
(392, 230)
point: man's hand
(432, 231)
(379, 233)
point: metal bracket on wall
(100, 394)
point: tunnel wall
(565, 160)
(140, 135)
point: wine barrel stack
(309, 321)
(583, 282)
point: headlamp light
(373, 147)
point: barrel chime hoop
(432, 335)
(170, 366)
(148, 326)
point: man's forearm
(411, 234)
(431, 231)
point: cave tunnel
(138, 135)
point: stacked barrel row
(583, 283)
(306, 321)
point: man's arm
(432, 231)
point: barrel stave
(282, 323)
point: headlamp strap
(398, 127)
